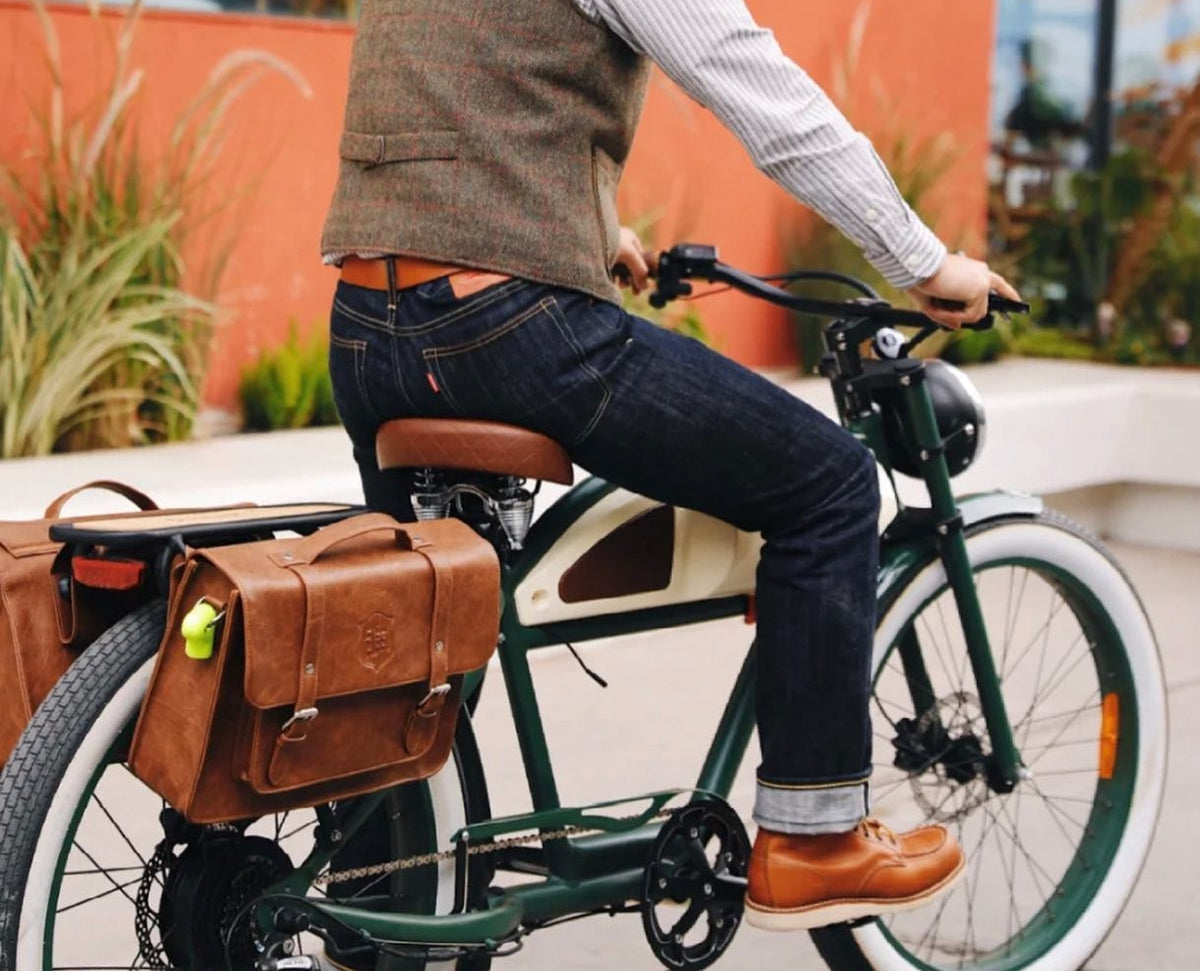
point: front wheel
(1051, 864)
(84, 883)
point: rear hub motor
(695, 885)
(205, 896)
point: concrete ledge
(1117, 447)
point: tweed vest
(490, 135)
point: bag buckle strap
(438, 691)
(299, 715)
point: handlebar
(691, 261)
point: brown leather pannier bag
(44, 618)
(336, 667)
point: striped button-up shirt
(719, 55)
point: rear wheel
(83, 881)
(1051, 864)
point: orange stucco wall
(930, 56)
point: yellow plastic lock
(199, 631)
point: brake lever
(686, 258)
(996, 305)
(666, 291)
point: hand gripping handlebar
(691, 261)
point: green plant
(289, 387)
(106, 329)
(1067, 257)
(64, 330)
(977, 346)
(1053, 342)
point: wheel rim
(1060, 655)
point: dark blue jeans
(666, 417)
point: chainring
(698, 863)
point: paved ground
(642, 734)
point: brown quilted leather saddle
(471, 446)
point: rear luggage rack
(199, 527)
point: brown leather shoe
(801, 882)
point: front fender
(900, 559)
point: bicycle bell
(960, 420)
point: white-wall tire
(1063, 551)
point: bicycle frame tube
(594, 872)
(579, 858)
(952, 547)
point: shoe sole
(843, 911)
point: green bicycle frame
(589, 873)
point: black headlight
(960, 421)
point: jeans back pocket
(521, 364)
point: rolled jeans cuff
(811, 810)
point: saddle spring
(504, 498)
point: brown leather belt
(409, 271)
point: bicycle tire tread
(49, 743)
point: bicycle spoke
(116, 888)
(1005, 670)
(120, 832)
(106, 874)
(1010, 872)
(1055, 607)
(1062, 678)
(937, 649)
(1034, 867)
(295, 832)
(107, 869)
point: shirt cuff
(912, 261)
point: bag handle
(312, 547)
(138, 498)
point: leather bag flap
(29, 538)
(375, 599)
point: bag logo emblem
(376, 643)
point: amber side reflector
(95, 571)
(1110, 732)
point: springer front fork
(1004, 763)
(855, 382)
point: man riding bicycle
(475, 224)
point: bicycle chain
(424, 859)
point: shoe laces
(873, 829)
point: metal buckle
(439, 691)
(300, 715)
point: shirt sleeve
(719, 55)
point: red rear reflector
(1110, 733)
(94, 571)
(751, 610)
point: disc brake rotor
(955, 784)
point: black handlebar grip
(996, 304)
